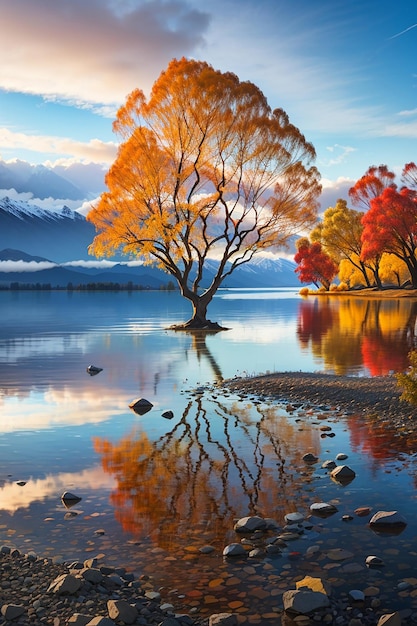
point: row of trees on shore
(91, 286)
(371, 246)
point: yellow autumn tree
(205, 170)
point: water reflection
(217, 462)
(352, 333)
(176, 484)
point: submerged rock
(310, 458)
(294, 518)
(323, 509)
(304, 601)
(250, 524)
(234, 549)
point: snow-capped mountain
(62, 235)
(31, 234)
(66, 182)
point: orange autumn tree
(206, 170)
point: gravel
(373, 398)
(26, 598)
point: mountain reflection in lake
(155, 491)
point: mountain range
(40, 246)
(71, 182)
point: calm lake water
(155, 490)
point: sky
(345, 71)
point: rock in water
(141, 406)
(93, 370)
(69, 499)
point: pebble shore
(26, 597)
(373, 398)
(29, 597)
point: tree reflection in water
(347, 332)
(222, 460)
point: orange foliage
(205, 168)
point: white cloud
(50, 204)
(94, 150)
(25, 266)
(104, 264)
(339, 155)
(96, 51)
(333, 190)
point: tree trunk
(199, 320)
(365, 275)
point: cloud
(95, 150)
(333, 190)
(104, 264)
(50, 204)
(339, 155)
(25, 266)
(37, 266)
(95, 51)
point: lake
(156, 490)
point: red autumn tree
(370, 186)
(390, 226)
(313, 264)
(409, 176)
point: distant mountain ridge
(62, 235)
(72, 182)
(33, 235)
(264, 273)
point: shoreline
(373, 398)
(385, 292)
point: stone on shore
(79, 619)
(304, 601)
(390, 619)
(310, 458)
(12, 611)
(329, 464)
(66, 584)
(314, 584)
(120, 610)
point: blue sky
(344, 71)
